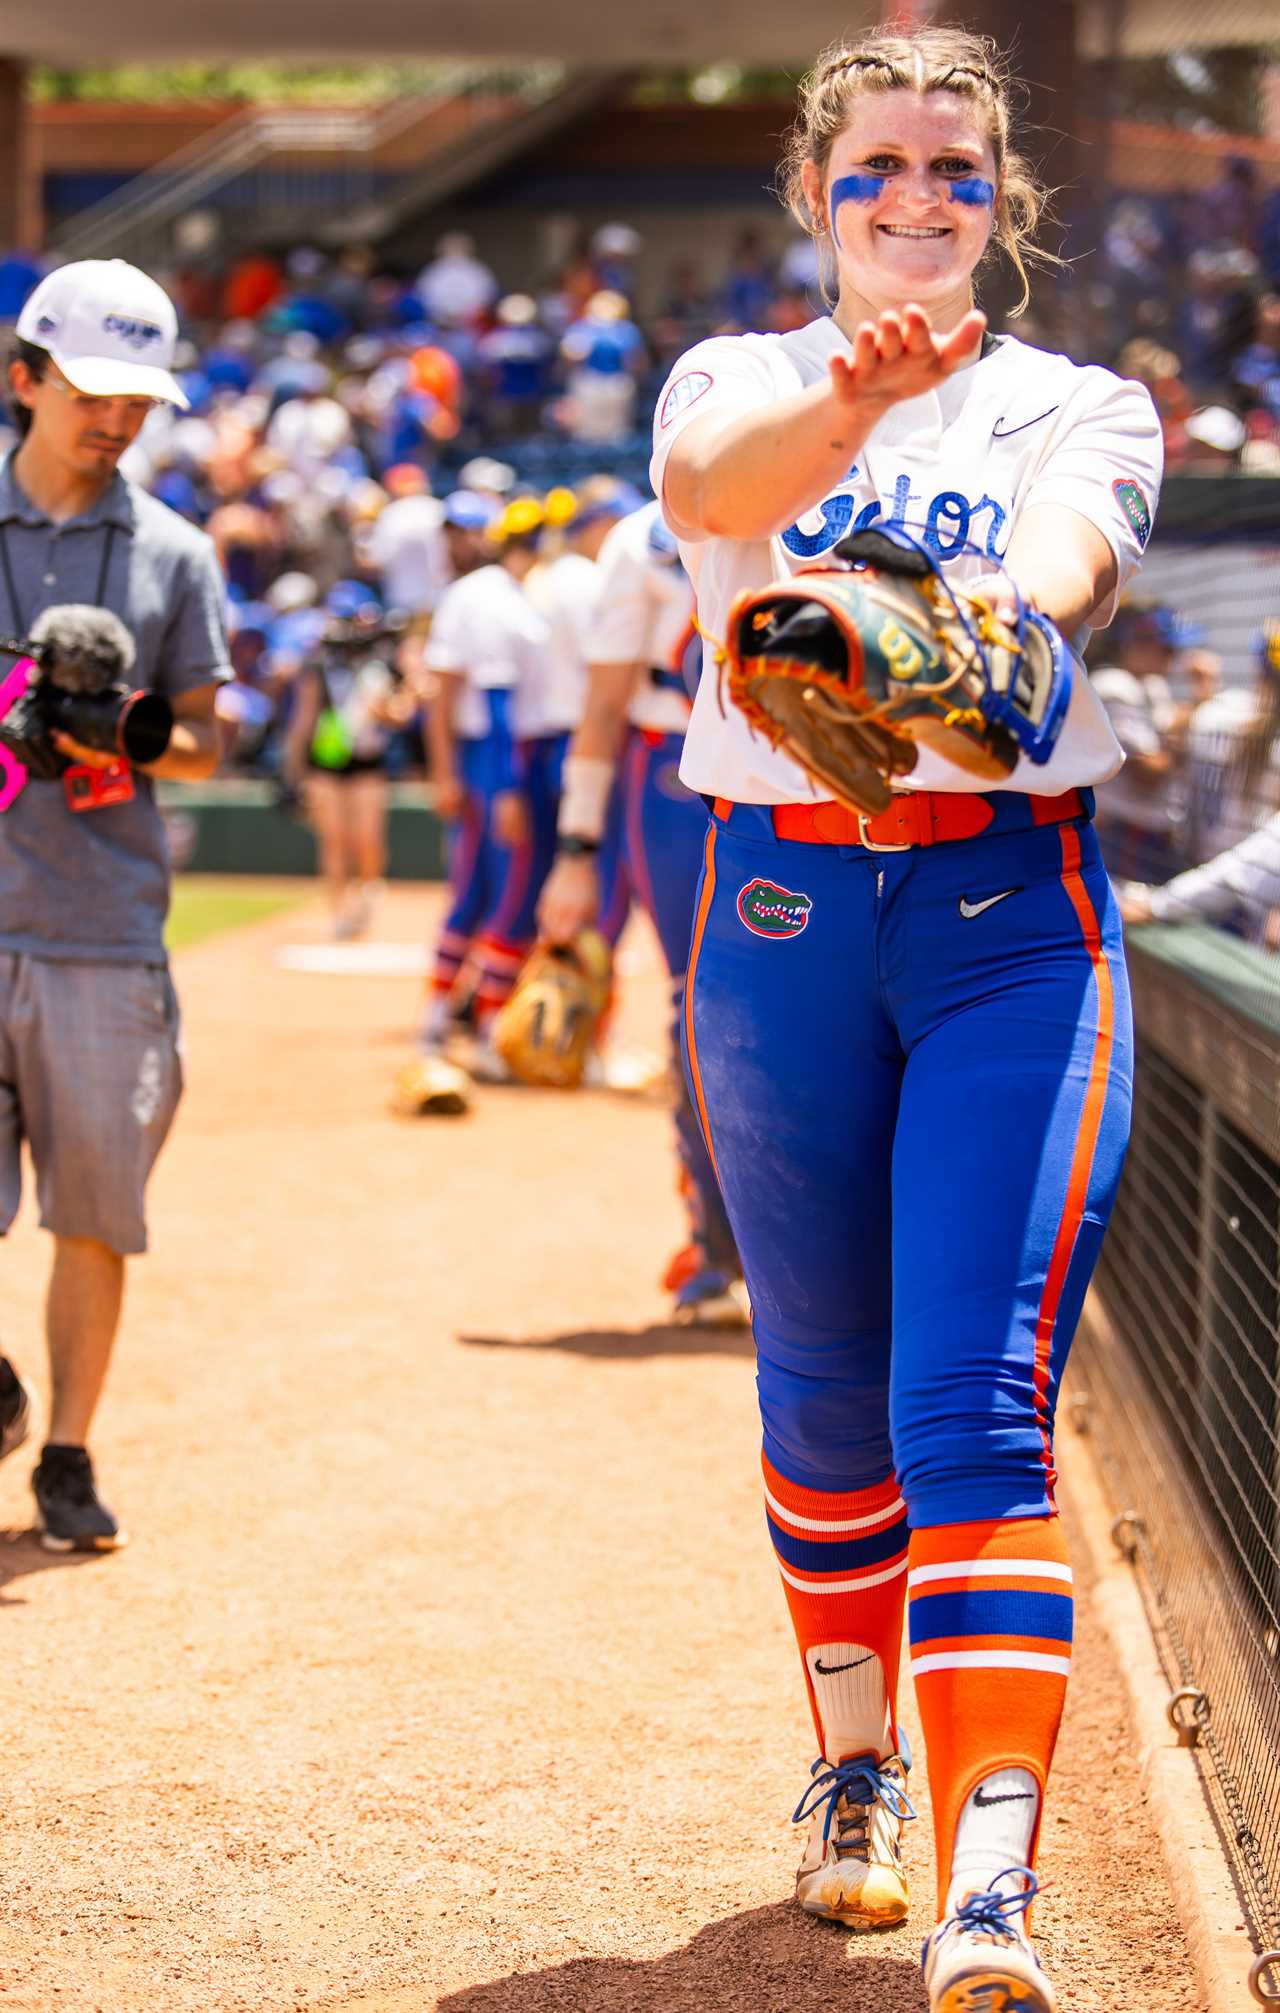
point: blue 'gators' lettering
(951, 525)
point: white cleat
(980, 1959)
(852, 1866)
(486, 1065)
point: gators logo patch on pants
(771, 911)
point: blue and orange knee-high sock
(990, 1618)
(842, 1555)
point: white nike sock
(848, 1683)
(995, 1832)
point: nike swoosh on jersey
(832, 1670)
(1014, 1796)
(996, 434)
(969, 909)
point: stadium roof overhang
(757, 33)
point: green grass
(205, 905)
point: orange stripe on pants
(1086, 1138)
(699, 927)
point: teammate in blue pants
(626, 812)
(498, 750)
(908, 1034)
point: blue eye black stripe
(854, 189)
(973, 190)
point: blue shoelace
(858, 1781)
(990, 1913)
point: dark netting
(1178, 1365)
(1175, 234)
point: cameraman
(89, 1050)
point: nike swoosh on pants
(970, 909)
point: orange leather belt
(915, 818)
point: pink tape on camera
(13, 771)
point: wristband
(584, 800)
(574, 847)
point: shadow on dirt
(625, 1345)
(771, 1960)
(21, 1554)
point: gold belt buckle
(873, 845)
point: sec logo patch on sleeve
(683, 393)
(1135, 507)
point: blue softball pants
(656, 849)
(914, 1071)
(492, 919)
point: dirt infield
(448, 1667)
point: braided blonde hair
(926, 59)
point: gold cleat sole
(990, 1992)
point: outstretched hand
(900, 356)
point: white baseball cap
(109, 328)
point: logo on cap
(47, 325)
(136, 333)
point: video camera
(82, 659)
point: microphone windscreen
(83, 649)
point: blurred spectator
(1212, 440)
(254, 283)
(1218, 310)
(749, 283)
(686, 315)
(1240, 888)
(1139, 811)
(349, 704)
(515, 359)
(614, 250)
(606, 354)
(800, 269)
(1133, 250)
(456, 287)
(1230, 211)
(1159, 369)
(1256, 370)
(1233, 756)
(309, 429)
(468, 513)
(19, 275)
(406, 544)
(489, 477)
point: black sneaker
(74, 1517)
(15, 1408)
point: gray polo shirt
(95, 884)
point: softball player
(908, 1035)
(633, 823)
(498, 735)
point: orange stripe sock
(990, 1616)
(843, 1558)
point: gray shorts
(90, 1076)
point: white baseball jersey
(955, 466)
(486, 630)
(406, 543)
(566, 592)
(644, 615)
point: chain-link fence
(1178, 1368)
